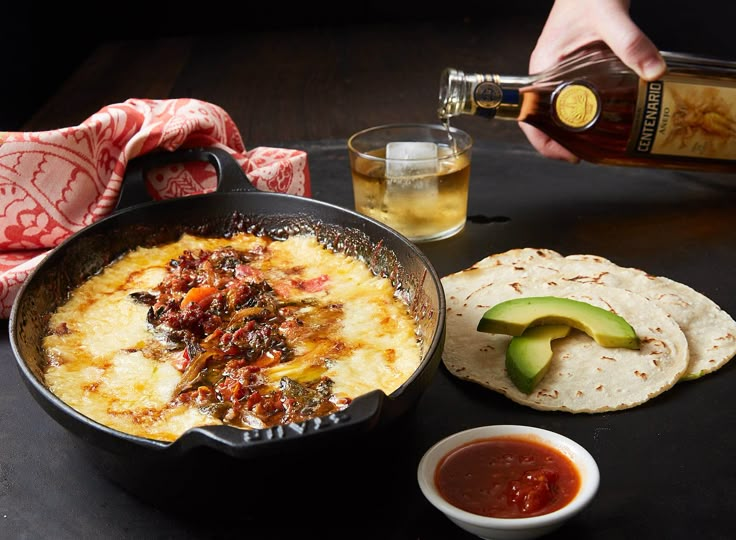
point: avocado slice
(514, 316)
(529, 355)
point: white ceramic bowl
(492, 528)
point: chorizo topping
(229, 324)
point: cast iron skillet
(235, 206)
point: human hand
(573, 23)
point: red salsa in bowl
(507, 477)
(508, 481)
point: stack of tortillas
(684, 335)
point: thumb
(631, 45)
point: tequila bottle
(600, 110)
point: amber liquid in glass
(421, 207)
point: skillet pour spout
(235, 206)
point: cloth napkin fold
(54, 183)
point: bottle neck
(486, 95)
(509, 108)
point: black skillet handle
(230, 175)
(362, 416)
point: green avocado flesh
(529, 355)
(512, 317)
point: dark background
(46, 44)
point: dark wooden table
(666, 467)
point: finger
(546, 146)
(629, 43)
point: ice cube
(411, 159)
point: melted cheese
(104, 360)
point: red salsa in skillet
(507, 477)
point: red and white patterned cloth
(54, 183)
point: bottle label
(576, 106)
(685, 116)
(487, 96)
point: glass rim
(398, 125)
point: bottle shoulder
(699, 65)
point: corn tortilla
(684, 334)
(710, 331)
